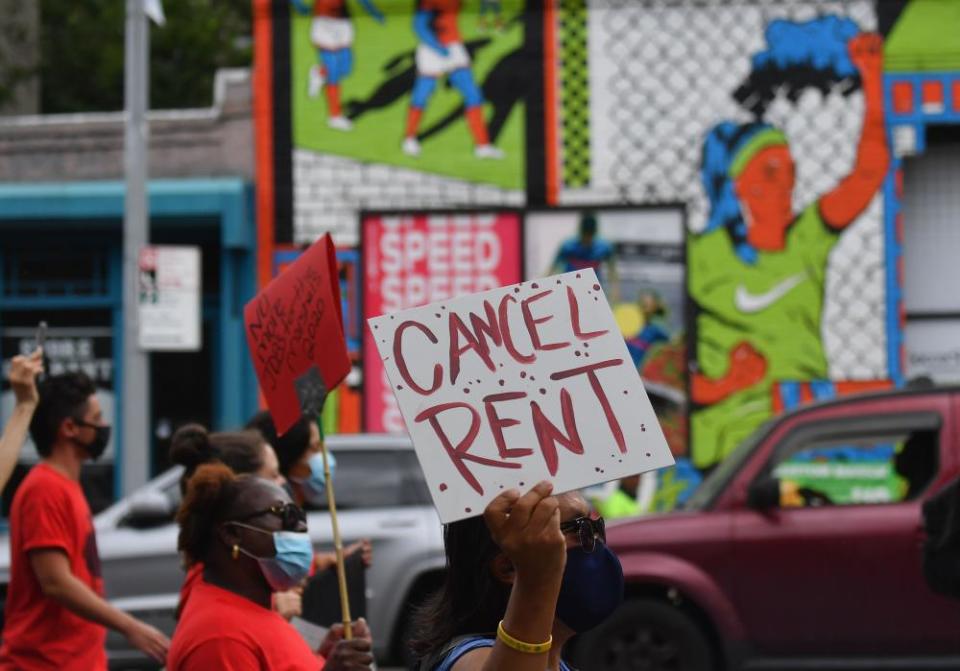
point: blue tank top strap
(463, 648)
(473, 643)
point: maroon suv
(739, 579)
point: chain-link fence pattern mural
(662, 74)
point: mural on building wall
(432, 88)
(764, 122)
(757, 271)
(416, 76)
(661, 78)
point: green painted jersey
(774, 304)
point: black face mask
(95, 447)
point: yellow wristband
(520, 646)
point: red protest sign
(295, 334)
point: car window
(715, 483)
(377, 479)
(870, 468)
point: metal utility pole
(132, 457)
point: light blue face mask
(292, 562)
(314, 487)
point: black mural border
(282, 125)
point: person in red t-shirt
(252, 542)
(56, 613)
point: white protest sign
(524, 383)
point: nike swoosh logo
(750, 303)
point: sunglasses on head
(291, 515)
(588, 530)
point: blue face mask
(292, 561)
(592, 588)
(314, 487)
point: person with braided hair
(252, 541)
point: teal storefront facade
(61, 262)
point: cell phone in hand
(42, 334)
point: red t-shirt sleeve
(46, 522)
(227, 654)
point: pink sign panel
(410, 260)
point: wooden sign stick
(338, 546)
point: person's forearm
(324, 560)
(872, 82)
(77, 597)
(14, 434)
(424, 31)
(853, 194)
(529, 618)
(873, 131)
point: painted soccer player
(331, 33)
(758, 272)
(441, 52)
(588, 250)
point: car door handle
(402, 523)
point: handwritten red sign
(295, 334)
(507, 387)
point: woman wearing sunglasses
(520, 582)
(252, 541)
(243, 452)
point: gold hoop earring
(236, 552)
